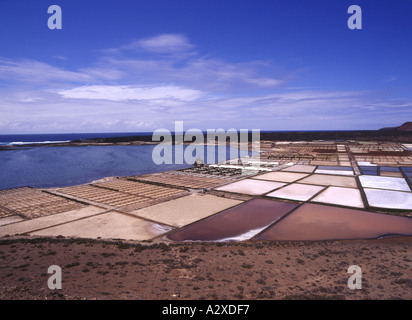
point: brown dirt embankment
(93, 269)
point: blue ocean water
(20, 139)
(45, 167)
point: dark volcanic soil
(259, 270)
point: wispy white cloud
(103, 73)
(63, 58)
(32, 71)
(121, 93)
(390, 79)
(131, 65)
(164, 43)
(173, 46)
(139, 61)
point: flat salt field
(281, 176)
(110, 225)
(323, 163)
(391, 174)
(185, 210)
(296, 191)
(300, 168)
(392, 169)
(27, 226)
(34, 203)
(4, 212)
(213, 171)
(407, 172)
(339, 168)
(239, 223)
(369, 173)
(389, 199)
(366, 164)
(389, 183)
(330, 180)
(10, 219)
(108, 197)
(337, 172)
(140, 189)
(368, 168)
(383, 171)
(184, 180)
(251, 186)
(320, 222)
(340, 196)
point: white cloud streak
(165, 43)
(121, 93)
(32, 71)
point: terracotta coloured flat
(320, 222)
(238, 223)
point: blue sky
(131, 65)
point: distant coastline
(13, 142)
(368, 135)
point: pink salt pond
(319, 222)
(239, 223)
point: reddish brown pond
(238, 223)
(319, 222)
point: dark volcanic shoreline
(366, 135)
(369, 135)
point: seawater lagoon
(47, 167)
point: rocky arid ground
(97, 269)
